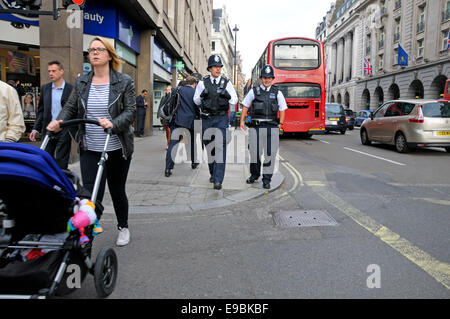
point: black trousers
(59, 148)
(263, 140)
(115, 173)
(141, 112)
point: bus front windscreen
(296, 56)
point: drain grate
(302, 218)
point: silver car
(408, 124)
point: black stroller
(40, 256)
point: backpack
(169, 107)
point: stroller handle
(72, 123)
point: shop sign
(105, 20)
(15, 17)
(128, 33)
(100, 19)
(161, 57)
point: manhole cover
(303, 218)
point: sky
(260, 21)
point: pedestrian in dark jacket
(53, 97)
(185, 116)
(109, 96)
(141, 105)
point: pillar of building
(348, 56)
(144, 77)
(61, 40)
(340, 60)
(334, 64)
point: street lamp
(235, 56)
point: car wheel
(351, 128)
(447, 149)
(401, 144)
(343, 132)
(365, 137)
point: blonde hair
(115, 62)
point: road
(390, 238)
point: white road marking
(377, 157)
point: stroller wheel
(105, 272)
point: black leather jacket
(122, 107)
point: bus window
(296, 56)
(300, 90)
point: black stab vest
(216, 101)
(265, 104)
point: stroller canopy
(31, 165)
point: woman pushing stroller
(109, 96)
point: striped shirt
(97, 107)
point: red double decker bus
(299, 67)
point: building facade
(222, 41)
(160, 41)
(365, 39)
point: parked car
(335, 118)
(361, 116)
(350, 119)
(409, 124)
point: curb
(235, 198)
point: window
(300, 90)
(381, 111)
(213, 46)
(395, 57)
(446, 12)
(381, 42)
(421, 23)
(420, 48)
(393, 110)
(436, 110)
(380, 61)
(444, 39)
(406, 108)
(397, 30)
(296, 56)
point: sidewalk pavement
(187, 190)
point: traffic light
(30, 4)
(79, 3)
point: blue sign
(103, 19)
(14, 17)
(100, 19)
(128, 33)
(161, 57)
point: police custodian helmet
(214, 60)
(267, 72)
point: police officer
(262, 103)
(215, 95)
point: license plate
(331, 122)
(443, 133)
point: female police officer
(215, 94)
(264, 102)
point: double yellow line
(435, 268)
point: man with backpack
(184, 114)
